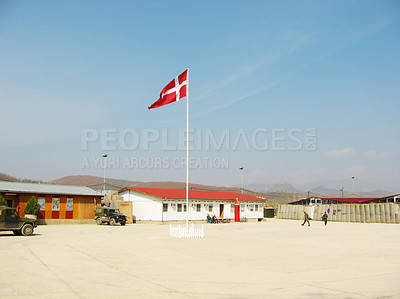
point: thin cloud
(379, 155)
(288, 49)
(384, 155)
(340, 153)
(244, 72)
(237, 99)
(371, 154)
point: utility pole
(241, 185)
(104, 173)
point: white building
(154, 204)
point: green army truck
(10, 221)
(109, 215)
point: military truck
(109, 215)
(10, 221)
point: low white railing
(186, 232)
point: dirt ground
(272, 259)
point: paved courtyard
(272, 259)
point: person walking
(306, 219)
(325, 218)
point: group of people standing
(307, 218)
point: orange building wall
(83, 207)
(63, 206)
(48, 206)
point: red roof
(193, 194)
(352, 199)
(347, 199)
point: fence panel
(367, 213)
(186, 232)
(364, 213)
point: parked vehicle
(109, 215)
(10, 221)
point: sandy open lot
(274, 259)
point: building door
(221, 211)
(12, 200)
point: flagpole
(187, 149)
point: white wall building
(154, 204)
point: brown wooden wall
(83, 207)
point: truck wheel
(112, 221)
(123, 223)
(17, 232)
(98, 221)
(27, 230)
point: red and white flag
(173, 91)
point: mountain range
(325, 188)
(319, 188)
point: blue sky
(260, 71)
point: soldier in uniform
(306, 219)
(325, 218)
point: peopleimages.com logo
(201, 140)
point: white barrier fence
(186, 232)
(364, 213)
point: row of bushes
(32, 206)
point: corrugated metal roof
(16, 187)
(193, 194)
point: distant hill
(275, 193)
(254, 187)
(279, 187)
(359, 186)
(6, 177)
(337, 193)
(282, 187)
(94, 182)
(116, 184)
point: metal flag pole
(187, 149)
(104, 174)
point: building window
(165, 207)
(251, 208)
(70, 204)
(232, 209)
(198, 207)
(42, 203)
(56, 204)
(210, 208)
(184, 207)
(241, 207)
(179, 207)
(256, 206)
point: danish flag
(173, 91)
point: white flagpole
(187, 149)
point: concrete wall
(364, 213)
